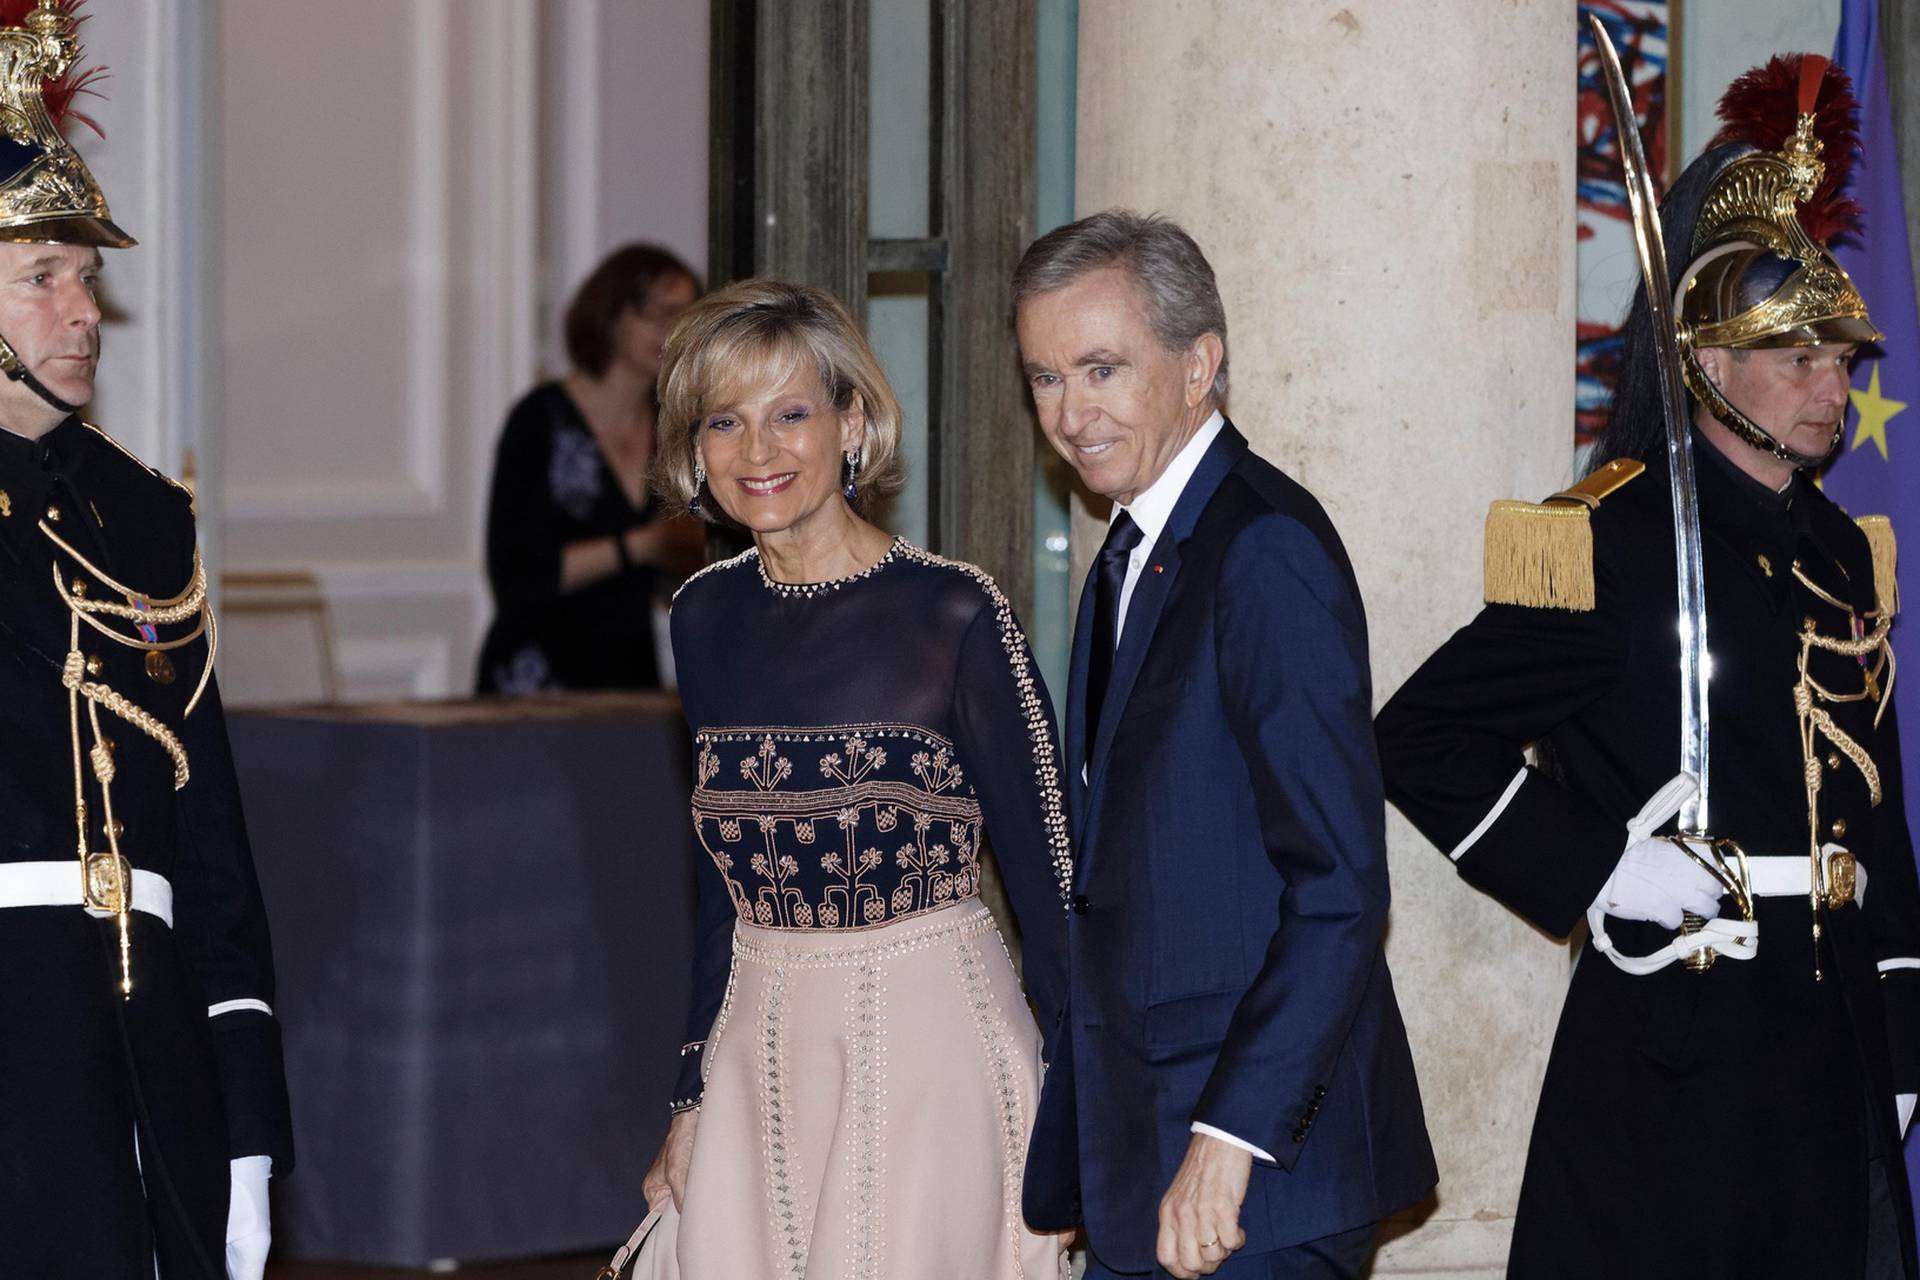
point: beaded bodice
(846, 733)
(844, 828)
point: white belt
(1771, 876)
(57, 884)
(1791, 875)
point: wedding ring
(1212, 1244)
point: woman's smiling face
(773, 451)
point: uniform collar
(1756, 510)
(1771, 500)
(59, 450)
(1736, 507)
(1153, 506)
(1759, 524)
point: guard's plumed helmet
(47, 193)
(1758, 270)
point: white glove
(1903, 1103)
(1654, 879)
(248, 1232)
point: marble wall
(1386, 193)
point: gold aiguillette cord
(106, 879)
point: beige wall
(154, 391)
(624, 139)
(376, 286)
(1386, 193)
(409, 193)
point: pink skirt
(868, 1101)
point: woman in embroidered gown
(857, 1093)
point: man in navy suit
(1231, 1090)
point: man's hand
(668, 1176)
(1200, 1214)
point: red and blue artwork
(1608, 271)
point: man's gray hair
(1183, 302)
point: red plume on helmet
(59, 94)
(1762, 109)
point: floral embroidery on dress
(833, 856)
(765, 770)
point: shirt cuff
(1903, 1104)
(1232, 1141)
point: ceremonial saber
(1696, 664)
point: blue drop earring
(699, 483)
(853, 469)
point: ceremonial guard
(142, 1098)
(1740, 1046)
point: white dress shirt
(1153, 506)
(1150, 509)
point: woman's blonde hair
(756, 333)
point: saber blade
(1696, 663)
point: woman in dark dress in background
(862, 1065)
(576, 546)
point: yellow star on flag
(1875, 412)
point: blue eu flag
(1878, 470)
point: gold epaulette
(1540, 554)
(1886, 585)
(139, 461)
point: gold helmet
(47, 193)
(1759, 273)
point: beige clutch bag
(649, 1250)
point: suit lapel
(1149, 600)
(1077, 744)
(1143, 616)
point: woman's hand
(668, 1176)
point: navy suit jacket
(1230, 890)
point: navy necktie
(1110, 572)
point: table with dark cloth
(481, 921)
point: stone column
(1386, 191)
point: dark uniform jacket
(118, 1117)
(1712, 1124)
